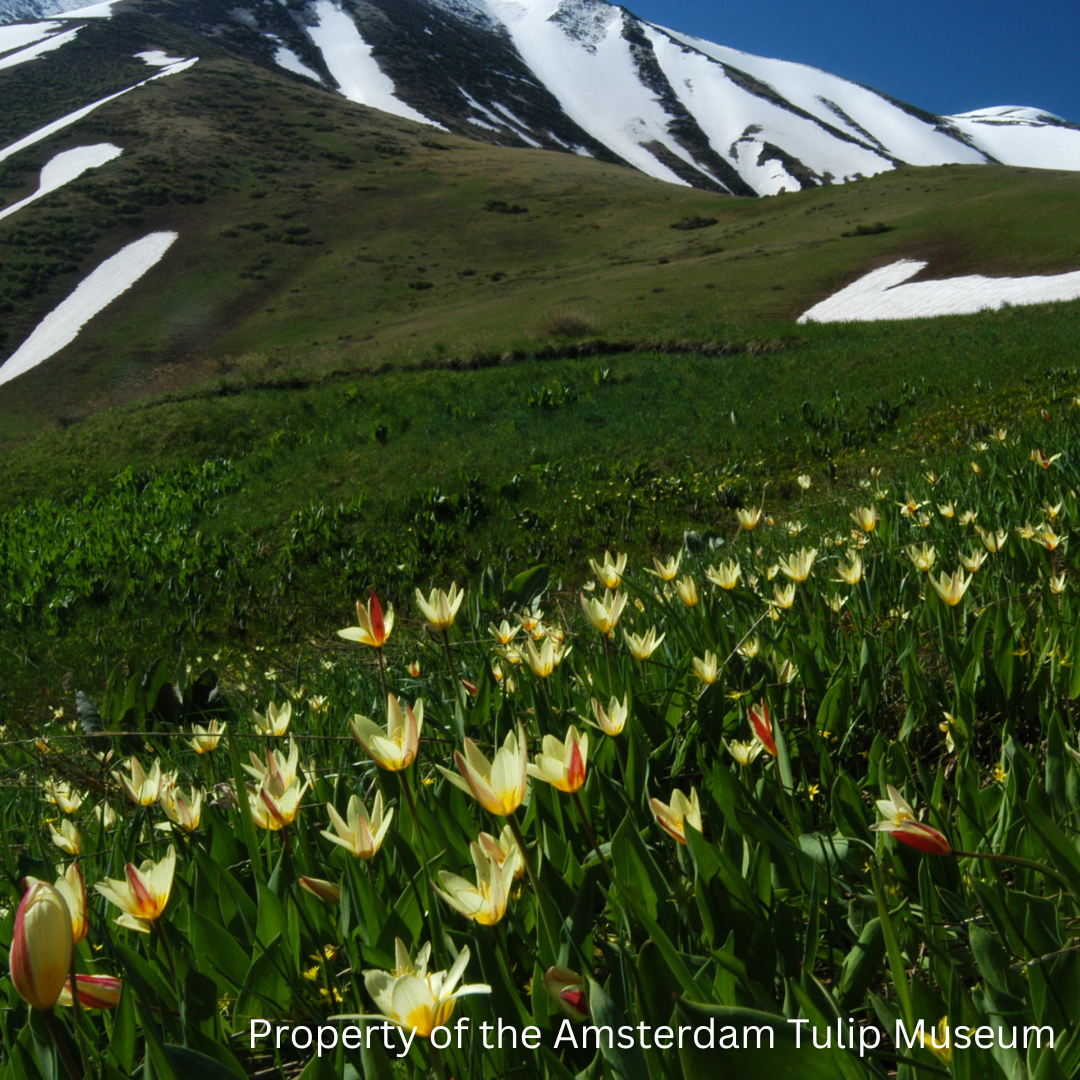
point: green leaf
(218, 953)
(862, 964)
(527, 586)
(191, 1065)
(785, 1061)
(1063, 851)
(624, 1064)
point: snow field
(32, 52)
(882, 294)
(93, 294)
(19, 35)
(65, 167)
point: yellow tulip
(187, 813)
(143, 895)
(373, 628)
(687, 590)
(992, 541)
(749, 648)
(499, 786)
(356, 832)
(276, 812)
(866, 517)
(326, 891)
(505, 850)
(744, 752)
(395, 747)
(276, 721)
(416, 1000)
(63, 796)
(611, 720)
(1057, 583)
(562, 763)
(440, 608)
(947, 510)
(278, 772)
(784, 597)
(67, 838)
(485, 902)
(206, 738)
(643, 646)
(748, 519)
(610, 572)
(505, 633)
(973, 562)
(545, 660)
(142, 788)
(804, 482)
(951, 589)
(797, 567)
(604, 614)
(853, 571)
(667, 570)
(41, 946)
(923, 557)
(726, 575)
(708, 669)
(72, 888)
(673, 818)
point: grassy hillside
(312, 229)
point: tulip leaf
(527, 586)
(862, 964)
(191, 1065)
(266, 991)
(625, 1063)
(1063, 852)
(704, 1058)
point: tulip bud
(41, 946)
(567, 989)
(326, 891)
(95, 991)
(73, 889)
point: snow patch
(286, 58)
(92, 295)
(357, 73)
(78, 114)
(22, 34)
(156, 58)
(32, 52)
(882, 294)
(95, 11)
(65, 167)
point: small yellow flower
(836, 602)
(63, 796)
(812, 791)
(976, 468)
(643, 646)
(1000, 775)
(394, 747)
(373, 628)
(937, 1042)
(499, 786)
(1048, 538)
(910, 507)
(144, 893)
(485, 902)
(546, 659)
(356, 832)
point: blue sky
(947, 56)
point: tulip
(276, 812)
(853, 571)
(797, 567)
(951, 589)
(673, 818)
(972, 563)
(604, 614)
(609, 572)
(643, 646)
(499, 786)
(866, 517)
(278, 772)
(744, 752)
(485, 902)
(373, 628)
(726, 575)
(562, 764)
(356, 832)
(748, 519)
(900, 821)
(785, 669)
(612, 720)
(95, 991)
(206, 738)
(567, 989)
(276, 721)
(441, 608)
(992, 541)
(394, 747)
(143, 788)
(707, 670)
(1042, 460)
(545, 660)
(143, 894)
(67, 838)
(504, 849)
(72, 888)
(784, 597)
(41, 946)
(413, 668)
(326, 891)
(836, 602)
(504, 633)
(415, 1000)
(1057, 583)
(803, 481)
(947, 510)
(687, 590)
(749, 648)
(911, 507)
(762, 725)
(106, 816)
(187, 813)
(667, 570)
(63, 796)
(1047, 537)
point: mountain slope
(589, 77)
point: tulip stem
(436, 1062)
(60, 1042)
(76, 1008)
(450, 661)
(591, 835)
(382, 672)
(1016, 860)
(550, 925)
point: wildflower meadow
(801, 798)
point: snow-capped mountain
(589, 77)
